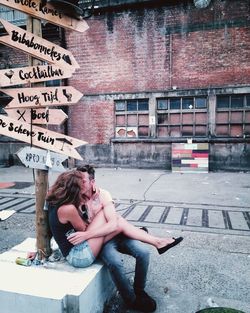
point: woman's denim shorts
(81, 255)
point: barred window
(182, 116)
(131, 118)
(233, 116)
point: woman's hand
(77, 237)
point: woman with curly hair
(77, 205)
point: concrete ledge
(57, 289)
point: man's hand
(77, 237)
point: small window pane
(236, 131)
(162, 131)
(162, 118)
(120, 132)
(175, 104)
(132, 120)
(222, 130)
(200, 131)
(187, 131)
(222, 117)
(143, 131)
(132, 105)
(143, 119)
(175, 118)
(236, 117)
(200, 103)
(187, 103)
(132, 132)
(222, 102)
(237, 101)
(248, 101)
(162, 104)
(247, 129)
(120, 106)
(200, 118)
(175, 131)
(120, 120)
(142, 105)
(247, 117)
(187, 118)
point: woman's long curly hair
(66, 189)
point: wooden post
(43, 235)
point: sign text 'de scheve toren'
(40, 137)
(36, 46)
(47, 12)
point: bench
(59, 288)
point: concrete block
(59, 288)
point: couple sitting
(85, 226)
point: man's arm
(108, 227)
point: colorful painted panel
(190, 157)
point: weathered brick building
(158, 72)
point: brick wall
(156, 48)
(153, 49)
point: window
(233, 116)
(182, 116)
(131, 118)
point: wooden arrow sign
(40, 137)
(38, 116)
(48, 13)
(42, 96)
(41, 159)
(36, 46)
(32, 74)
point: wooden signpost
(40, 137)
(63, 64)
(41, 116)
(32, 74)
(41, 159)
(42, 96)
(48, 13)
(36, 46)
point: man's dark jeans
(111, 255)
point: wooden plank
(32, 74)
(38, 116)
(37, 47)
(41, 159)
(40, 137)
(42, 96)
(48, 13)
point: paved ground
(211, 211)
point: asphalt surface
(211, 211)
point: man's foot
(144, 302)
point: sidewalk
(212, 263)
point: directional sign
(41, 159)
(48, 13)
(38, 116)
(32, 74)
(38, 47)
(40, 137)
(42, 96)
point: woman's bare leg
(136, 233)
(97, 242)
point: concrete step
(59, 288)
